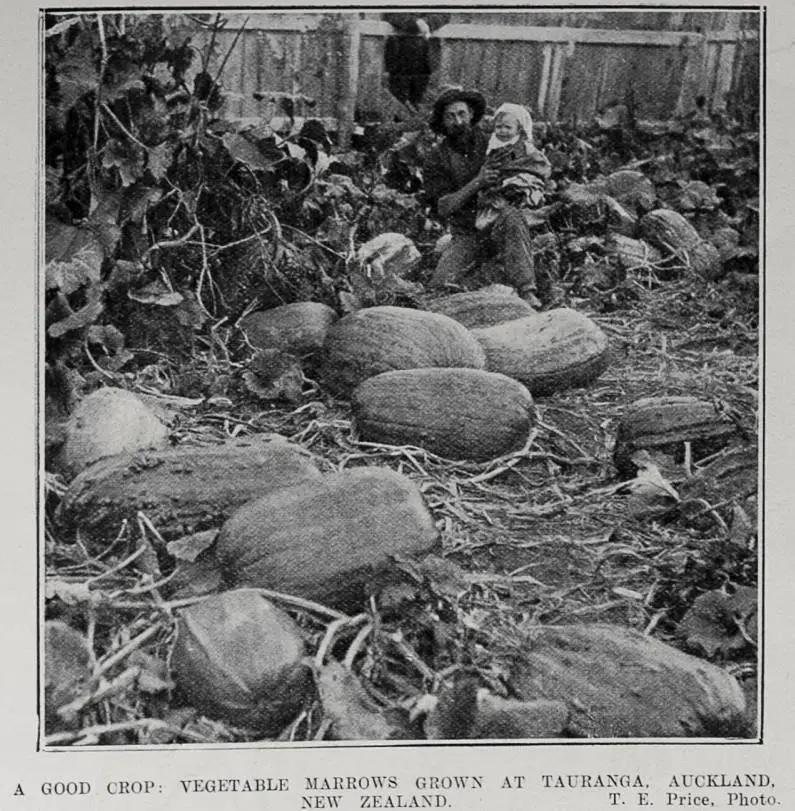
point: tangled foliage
(161, 215)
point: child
(523, 169)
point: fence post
(694, 75)
(556, 81)
(351, 46)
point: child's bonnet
(522, 115)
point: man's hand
(450, 203)
(487, 176)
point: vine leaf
(159, 159)
(106, 336)
(137, 200)
(122, 275)
(245, 152)
(73, 255)
(77, 74)
(126, 158)
(122, 82)
(79, 319)
(103, 223)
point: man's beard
(458, 132)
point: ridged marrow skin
(548, 352)
(182, 490)
(384, 339)
(666, 423)
(454, 413)
(671, 232)
(481, 308)
(299, 328)
(324, 539)
(619, 683)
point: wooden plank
(330, 69)
(501, 60)
(514, 80)
(710, 71)
(694, 71)
(232, 77)
(350, 89)
(543, 87)
(452, 61)
(370, 73)
(555, 82)
(446, 61)
(309, 68)
(495, 31)
(603, 36)
(266, 21)
(723, 76)
(489, 74)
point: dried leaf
(190, 547)
(67, 670)
(453, 716)
(149, 683)
(196, 579)
(444, 577)
(394, 596)
(649, 484)
(716, 621)
(69, 593)
(354, 716)
(274, 375)
(742, 529)
(153, 672)
(156, 293)
(501, 718)
(349, 302)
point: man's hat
(474, 99)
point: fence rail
(558, 71)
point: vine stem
(228, 54)
(174, 243)
(104, 372)
(205, 272)
(103, 64)
(122, 127)
(209, 50)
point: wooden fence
(558, 64)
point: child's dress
(523, 172)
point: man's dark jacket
(448, 169)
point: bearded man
(453, 175)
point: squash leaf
(720, 623)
